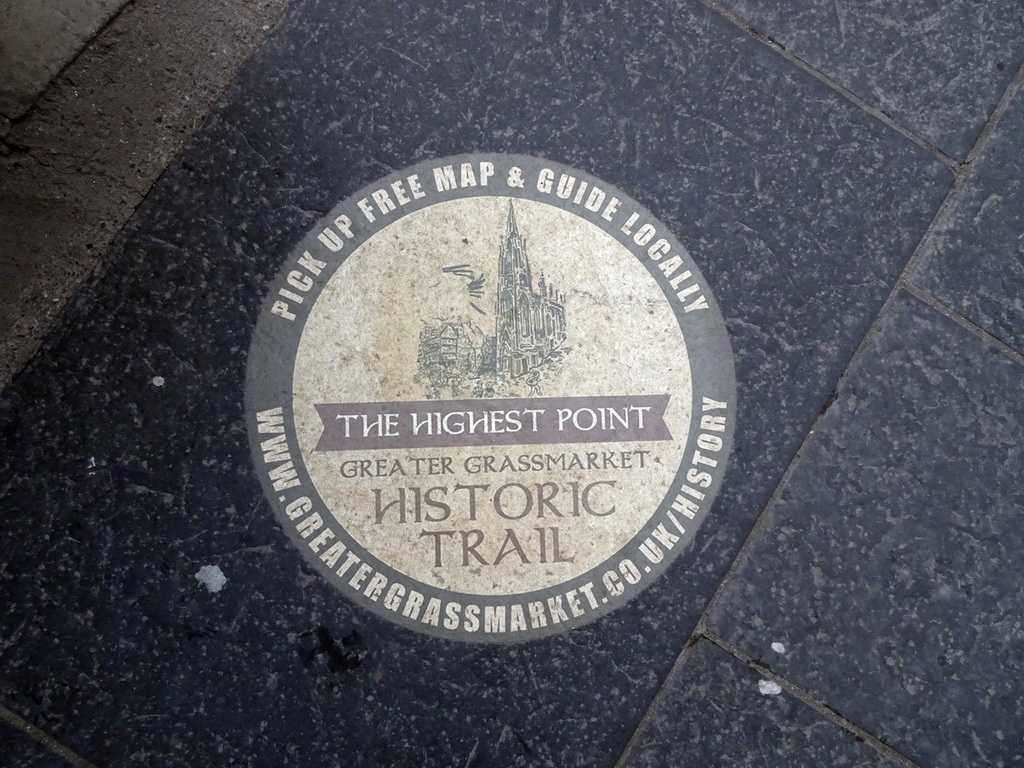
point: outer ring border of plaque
(274, 345)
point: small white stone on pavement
(211, 577)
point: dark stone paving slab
(716, 714)
(974, 261)
(937, 68)
(890, 569)
(19, 751)
(125, 464)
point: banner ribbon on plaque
(517, 421)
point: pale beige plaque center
(491, 519)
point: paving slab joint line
(905, 281)
(820, 707)
(965, 322)
(902, 283)
(845, 92)
(1004, 103)
(655, 704)
(42, 738)
(765, 671)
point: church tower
(514, 331)
(529, 325)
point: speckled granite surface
(975, 261)
(721, 713)
(938, 69)
(125, 466)
(20, 751)
(890, 567)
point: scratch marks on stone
(736, 324)
(512, 62)
(6, 643)
(224, 742)
(252, 513)
(505, 732)
(140, 489)
(607, 656)
(193, 537)
(233, 626)
(841, 18)
(261, 548)
(991, 200)
(163, 243)
(729, 72)
(590, 97)
(300, 211)
(623, 135)
(420, 150)
(767, 249)
(245, 140)
(722, 132)
(401, 55)
(888, 66)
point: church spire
(513, 263)
(510, 223)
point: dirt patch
(74, 169)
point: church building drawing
(530, 323)
(529, 326)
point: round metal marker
(490, 397)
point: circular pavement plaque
(490, 397)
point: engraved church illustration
(529, 329)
